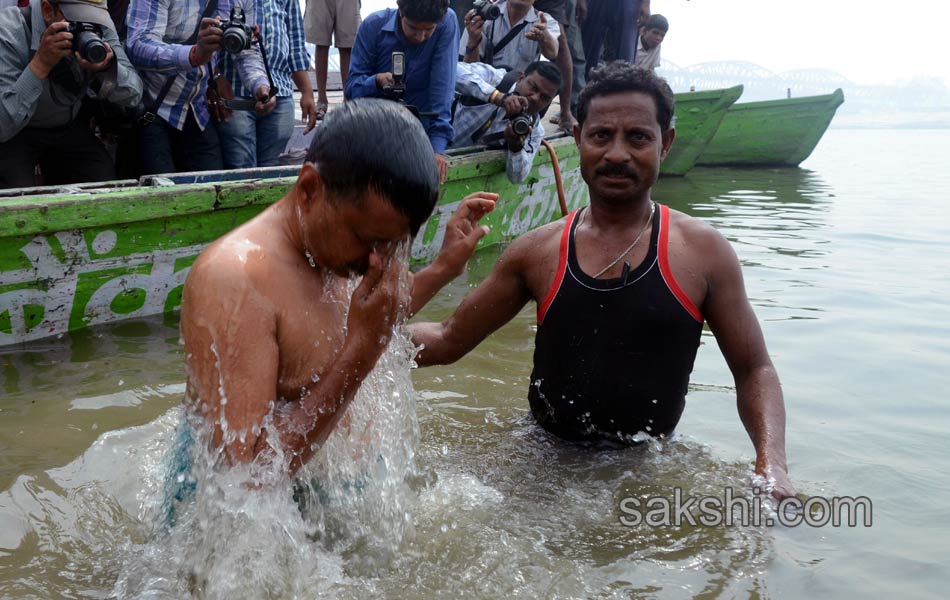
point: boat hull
(771, 133)
(68, 262)
(698, 116)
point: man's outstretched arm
(758, 389)
(493, 303)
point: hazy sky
(868, 41)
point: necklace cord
(631, 246)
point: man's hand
(308, 111)
(380, 301)
(581, 11)
(209, 40)
(539, 29)
(99, 66)
(515, 141)
(55, 44)
(265, 102)
(462, 232)
(512, 103)
(443, 163)
(474, 25)
(384, 80)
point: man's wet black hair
(423, 11)
(370, 143)
(657, 21)
(545, 69)
(621, 76)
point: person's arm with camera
(545, 35)
(478, 80)
(470, 46)
(146, 46)
(250, 64)
(119, 82)
(21, 87)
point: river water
(846, 264)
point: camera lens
(234, 40)
(91, 47)
(521, 125)
(492, 12)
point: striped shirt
(157, 31)
(479, 81)
(283, 36)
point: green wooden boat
(772, 133)
(92, 254)
(698, 115)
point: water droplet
(655, 401)
(310, 260)
(314, 378)
(444, 528)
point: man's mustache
(616, 170)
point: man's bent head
(375, 145)
(419, 18)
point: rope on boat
(561, 196)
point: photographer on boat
(176, 49)
(425, 32)
(500, 110)
(52, 54)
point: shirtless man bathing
(622, 289)
(272, 357)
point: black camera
(237, 34)
(521, 124)
(87, 41)
(486, 10)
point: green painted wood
(698, 116)
(68, 262)
(772, 133)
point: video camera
(87, 41)
(396, 91)
(486, 10)
(237, 34)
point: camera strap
(152, 111)
(492, 49)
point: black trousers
(67, 154)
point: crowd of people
(91, 91)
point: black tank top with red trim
(612, 357)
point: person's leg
(75, 155)
(20, 155)
(273, 132)
(201, 150)
(577, 55)
(565, 64)
(629, 33)
(239, 141)
(344, 64)
(322, 59)
(347, 24)
(157, 147)
(599, 14)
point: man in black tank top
(623, 288)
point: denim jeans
(168, 150)
(248, 140)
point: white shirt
(520, 51)
(647, 59)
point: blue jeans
(249, 140)
(167, 150)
